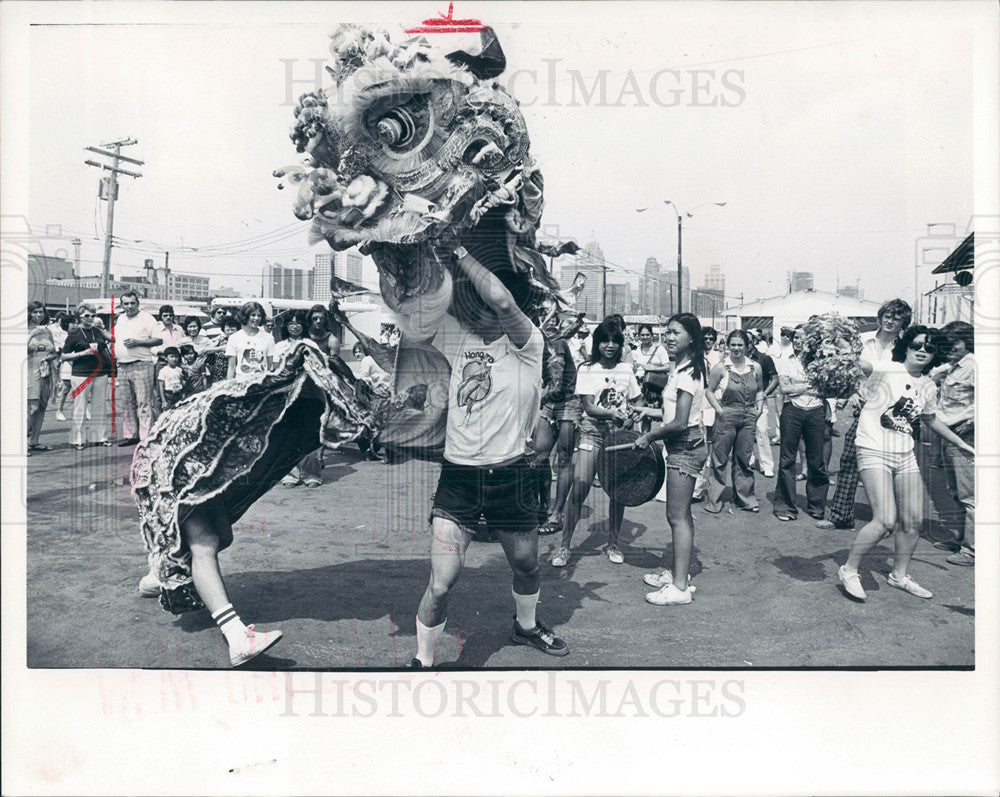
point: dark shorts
(505, 497)
(568, 410)
(687, 452)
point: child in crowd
(171, 379)
(196, 375)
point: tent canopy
(964, 257)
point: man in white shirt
(893, 317)
(803, 417)
(136, 334)
(170, 331)
(493, 406)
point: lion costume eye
(396, 128)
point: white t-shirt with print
(895, 400)
(684, 381)
(494, 397)
(612, 389)
(172, 378)
(251, 351)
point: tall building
(352, 267)
(715, 279)
(649, 288)
(618, 298)
(669, 291)
(323, 268)
(800, 281)
(282, 282)
(708, 304)
(590, 262)
(344, 265)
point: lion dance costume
(409, 153)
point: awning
(964, 257)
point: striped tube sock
(427, 639)
(526, 605)
(230, 624)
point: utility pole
(679, 277)
(109, 193)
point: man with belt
(136, 333)
(493, 406)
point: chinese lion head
(408, 152)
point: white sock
(427, 639)
(230, 624)
(526, 605)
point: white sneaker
(560, 557)
(670, 596)
(253, 644)
(149, 586)
(907, 584)
(659, 578)
(60, 416)
(852, 584)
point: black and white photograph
(454, 370)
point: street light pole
(680, 244)
(680, 293)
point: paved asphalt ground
(341, 569)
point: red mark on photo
(447, 24)
(114, 368)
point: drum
(632, 476)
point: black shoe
(129, 442)
(416, 664)
(540, 638)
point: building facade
(282, 282)
(343, 265)
(715, 280)
(800, 281)
(618, 298)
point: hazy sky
(835, 134)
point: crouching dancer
(208, 460)
(493, 406)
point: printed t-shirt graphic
(612, 389)
(895, 400)
(494, 395)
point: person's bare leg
(909, 493)
(878, 487)
(680, 488)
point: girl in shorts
(899, 393)
(684, 400)
(606, 387)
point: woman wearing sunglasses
(899, 392)
(86, 350)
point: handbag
(655, 381)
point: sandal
(39, 447)
(79, 446)
(550, 527)
(785, 518)
(754, 509)
(105, 443)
